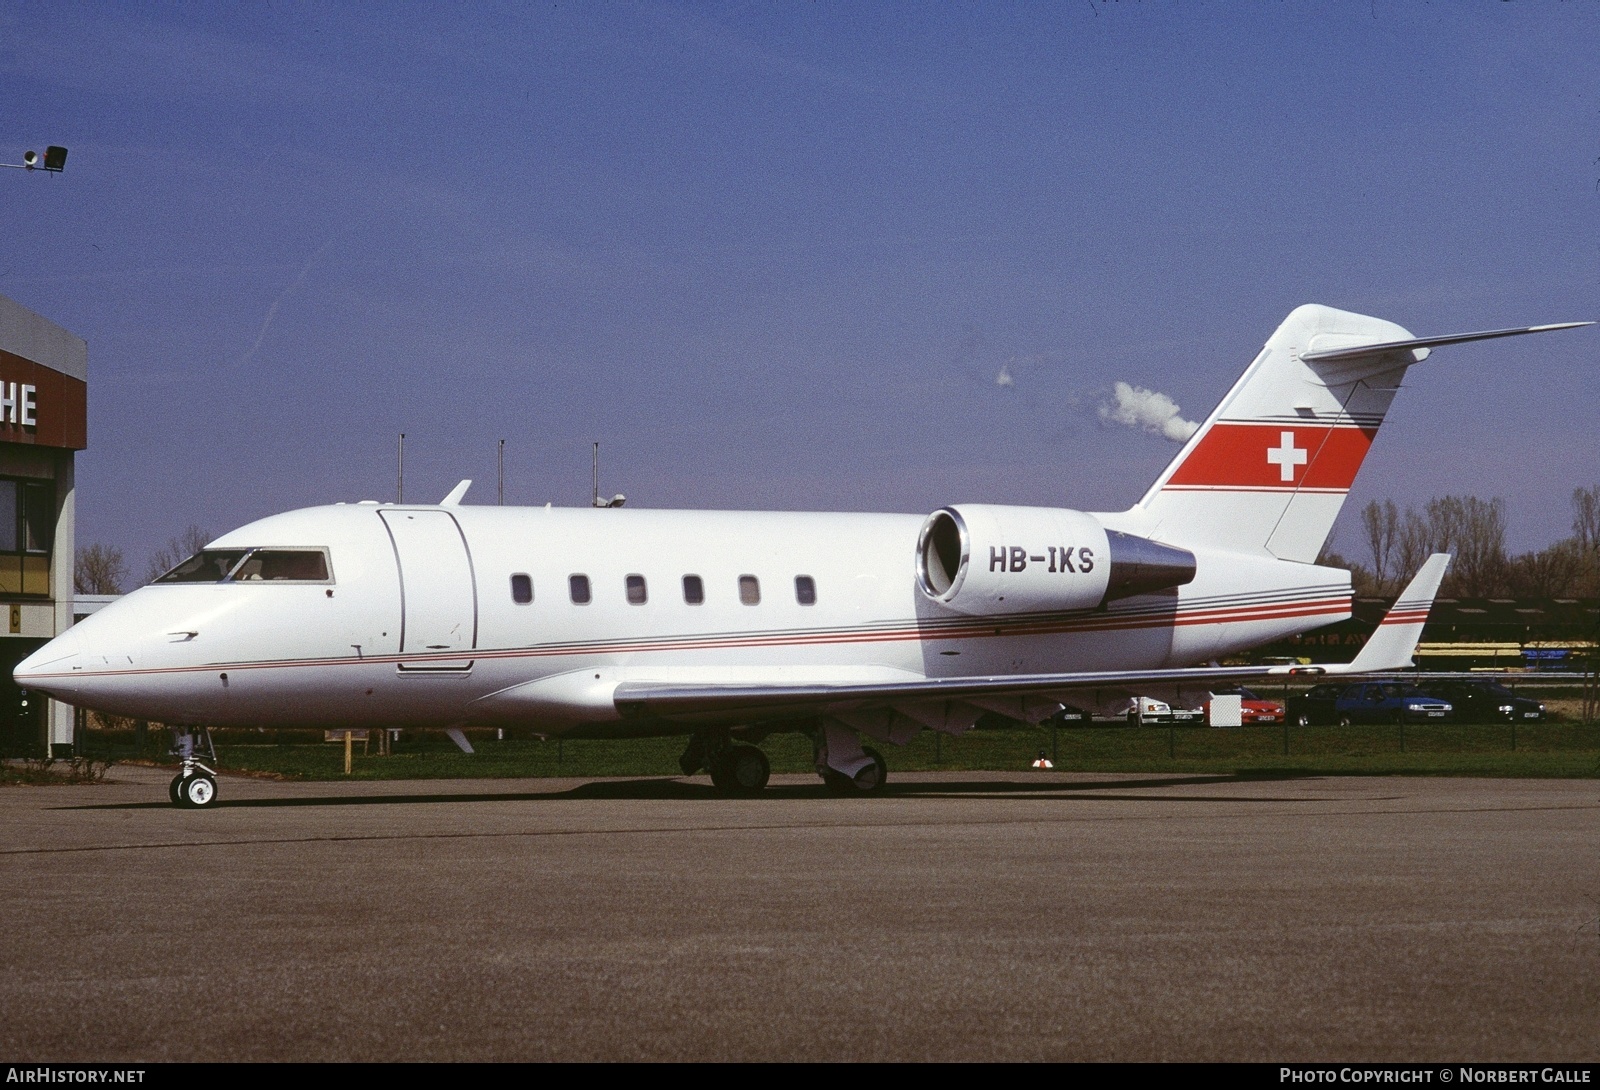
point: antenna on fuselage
(615, 501)
(400, 481)
(502, 467)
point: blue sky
(778, 254)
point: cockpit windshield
(252, 566)
(209, 566)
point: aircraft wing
(747, 703)
(1389, 649)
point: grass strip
(1552, 750)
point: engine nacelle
(987, 559)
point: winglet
(456, 494)
(1394, 641)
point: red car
(1252, 708)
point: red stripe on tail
(1275, 457)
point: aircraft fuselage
(420, 623)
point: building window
(636, 590)
(579, 585)
(694, 591)
(521, 589)
(27, 532)
(805, 590)
(749, 590)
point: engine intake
(987, 559)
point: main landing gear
(736, 768)
(195, 785)
(845, 765)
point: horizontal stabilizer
(1363, 351)
(1395, 640)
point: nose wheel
(195, 791)
(195, 785)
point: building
(44, 372)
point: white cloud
(1148, 411)
(1004, 377)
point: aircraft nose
(58, 657)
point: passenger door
(438, 592)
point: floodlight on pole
(55, 160)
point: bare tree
(1474, 532)
(1586, 517)
(1554, 572)
(1413, 544)
(99, 569)
(1382, 525)
(175, 551)
(1586, 539)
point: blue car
(1367, 702)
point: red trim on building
(61, 417)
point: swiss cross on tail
(1287, 456)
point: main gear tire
(750, 770)
(868, 780)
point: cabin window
(805, 590)
(579, 585)
(521, 589)
(636, 590)
(694, 590)
(749, 590)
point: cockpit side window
(284, 566)
(253, 566)
(208, 566)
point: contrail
(272, 311)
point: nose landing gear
(195, 785)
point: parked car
(1070, 716)
(1483, 700)
(1367, 702)
(1252, 708)
(1145, 709)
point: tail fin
(1270, 468)
(1395, 639)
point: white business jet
(727, 626)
